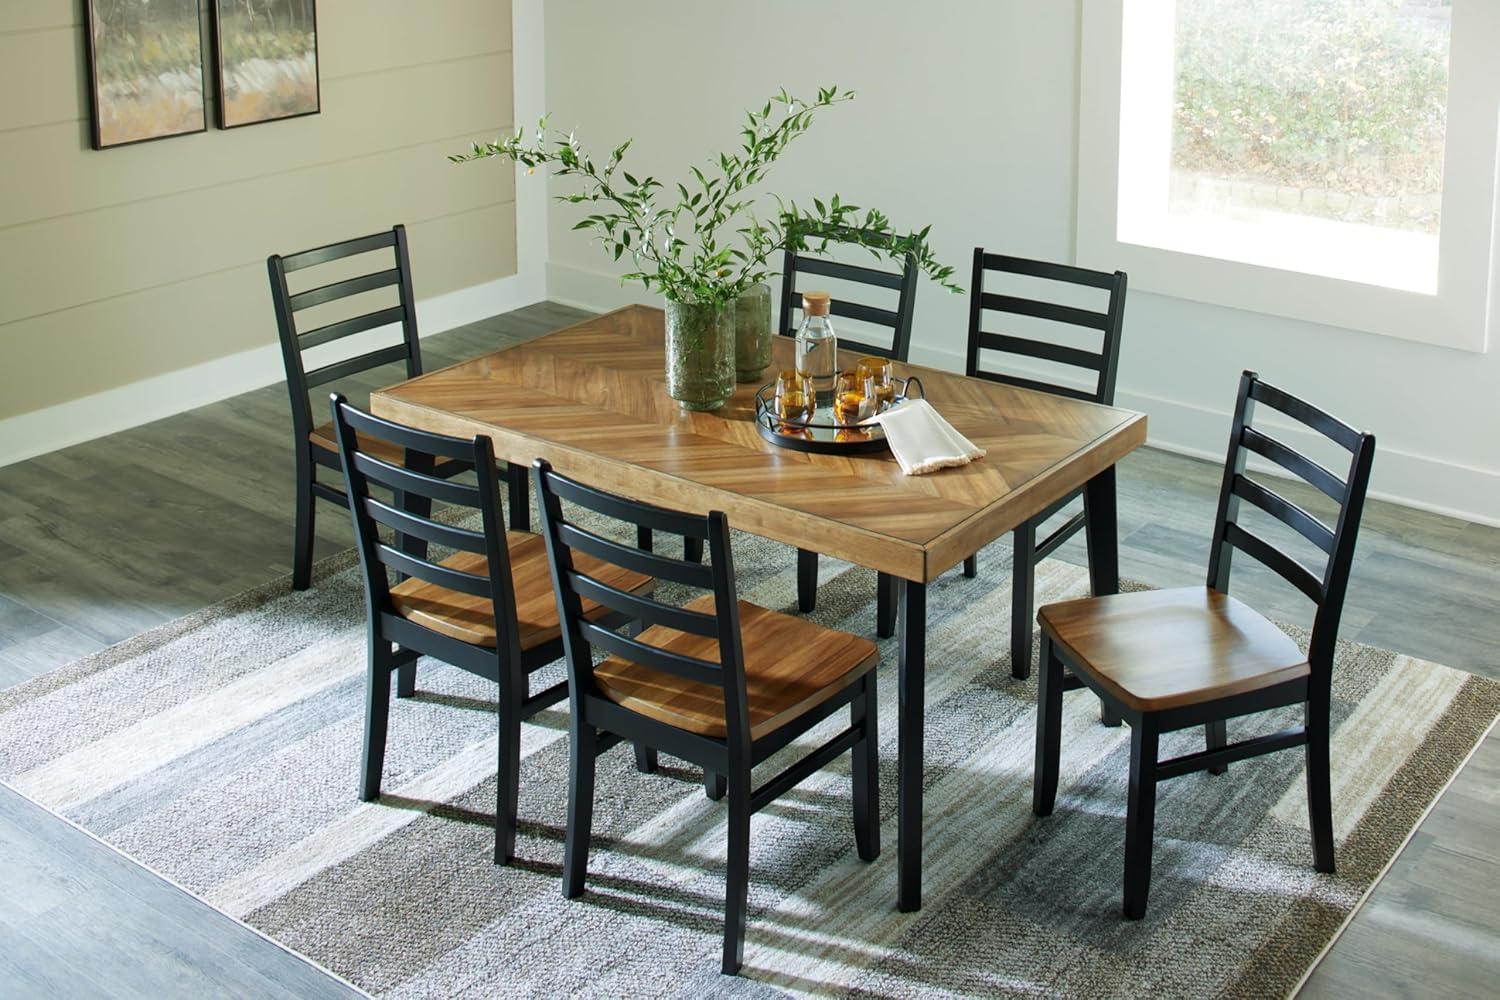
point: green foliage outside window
(1343, 95)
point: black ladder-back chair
(487, 609)
(717, 681)
(1169, 660)
(904, 283)
(315, 446)
(1101, 366)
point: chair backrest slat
(1020, 306)
(425, 528)
(385, 271)
(849, 272)
(343, 289)
(410, 480)
(1327, 589)
(349, 327)
(863, 313)
(1286, 567)
(687, 667)
(1040, 349)
(1304, 412)
(1285, 511)
(643, 609)
(410, 516)
(898, 321)
(637, 560)
(1294, 462)
(574, 583)
(1047, 269)
(645, 515)
(338, 251)
(1072, 392)
(355, 365)
(1100, 364)
(443, 576)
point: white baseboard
(40, 431)
(1452, 489)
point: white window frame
(1459, 315)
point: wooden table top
(592, 400)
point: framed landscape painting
(145, 63)
(266, 52)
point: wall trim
(27, 435)
(1424, 482)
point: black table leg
(1102, 533)
(912, 679)
(1103, 536)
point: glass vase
(752, 334)
(700, 354)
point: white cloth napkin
(922, 440)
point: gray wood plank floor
(209, 494)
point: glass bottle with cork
(817, 346)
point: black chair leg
(645, 759)
(1319, 785)
(406, 679)
(302, 531)
(1022, 598)
(692, 549)
(865, 766)
(377, 716)
(971, 567)
(713, 785)
(1140, 816)
(520, 504)
(885, 604)
(1049, 692)
(583, 750)
(1215, 735)
(508, 773)
(643, 538)
(807, 580)
(737, 879)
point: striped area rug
(221, 750)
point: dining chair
(898, 321)
(315, 445)
(717, 681)
(1090, 375)
(487, 608)
(1171, 659)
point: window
(1332, 160)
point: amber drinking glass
(850, 402)
(795, 398)
(879, 381)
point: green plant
(710, 244)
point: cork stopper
(815, 303)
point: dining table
(592, 400)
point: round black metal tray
(822, 433)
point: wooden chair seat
(791, 666)
(1164, 649)
(471, 619)
(322, 436)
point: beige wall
(122, 264)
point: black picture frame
(224, 117)
(99, 105)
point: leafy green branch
(686, 250)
